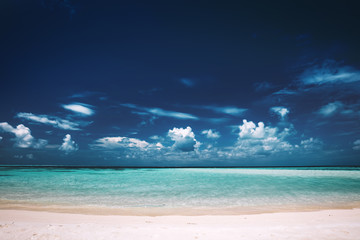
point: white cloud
(229, 110)
(212, 134)
(159, 112)
(184, 139)
(1, 138)
(28, 156)
(155, 137)
(130, 148)
(5, 127)
(261, 140)
(125, 142)
(165, 113)
(250, 130)
(282, 112)
(311, 144)
(159, 145)
(356, 145)
(80, 108)
(68, 145)
(330, 72)
(50, 120)
(187, 82)
(23, 137)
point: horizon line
(117, 166)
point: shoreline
(171, 211)
(324, 224)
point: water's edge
(179, 191)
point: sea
(251, 189)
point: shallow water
(180, 187)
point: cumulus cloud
(184, 139)
(250, 130)
(130, 148)
(259, 139)
(212, 134)
(50, 120)
(80, 108)
(125, 142)
(282, 112)
(356, 145)
(330, 72)
(159, 112)
(311, 144)
(68, 146)
(23, 137)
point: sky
(179, 83)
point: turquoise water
(180, 187)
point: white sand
(326, 224)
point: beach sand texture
(326, 224)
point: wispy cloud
(229, 110)
(89, 94)
(187, 82)
(159, 112)
(217, 120)
(80, 108)
(23, 137)
(50, 120)
(339, 108)
(285, 91)
(356, 145)
(324, 77)
(331, 108)
(329, 72)
(262, 86)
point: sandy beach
(324, 224)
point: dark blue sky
(179, 83)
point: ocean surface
(180, 187)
